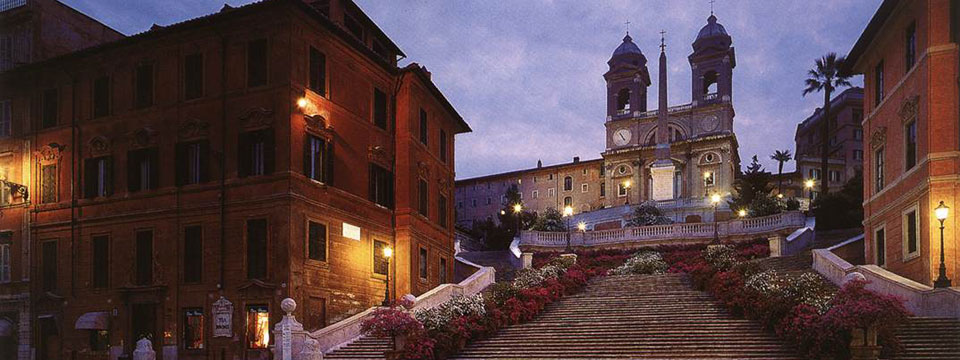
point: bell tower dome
(712, 64)
(627, 81)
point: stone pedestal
(776, 246)
(662, 175)
(289, 334)
(527, 258)
(569, 257)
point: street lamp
(626, 189)
(582, 226)
(809, 185)
(715, 199)
(387, 253)
(517, 208)
(568, 213)
(742, 213)
(942, 211)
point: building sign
(351, 231)
(222, 318)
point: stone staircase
(363, 348)
(636, 316)
(930, 338)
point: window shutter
(328, 164)
(133, 171)
(243, 155)
(269, 151)
(204, 161)
(180, 166)
(108, 178)
(89, 178)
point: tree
(826, 77)
(753, 184)
(550, 220)
(843, 209)
(648, 214)
(781, 157)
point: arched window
(567, 183)
(710, 82)
(567, 201)
(676, 134)
(623, 101)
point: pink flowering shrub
(391, 321)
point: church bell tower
(712, 64)
(627, 81)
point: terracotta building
(676, 155)
(908, 56)
(182, 181)
(846, 147)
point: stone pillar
(863, 344)
(288, 333)
(776, 246)
(527, 258)
(144, 350)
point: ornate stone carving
(143, 137)
(318, 125)
(257, 118)
(909, 109)
(49, 153)
(443, 185)
(377, 154)
(193, 128)
(423, 169)
(99, 145)
(879, 137)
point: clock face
(621, 137)
(710, 123)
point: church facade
(676, 155)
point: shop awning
(7, 328)
(93, 321)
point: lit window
(911, 234)
(621, 190)
(381, 264)
(193, 329)
(258, 327)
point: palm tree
(826, 77)
(781, 157)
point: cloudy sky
(527, 74)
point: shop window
(258, 327)
(193, 329)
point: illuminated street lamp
(626, 188)
(517, 208)
(387, 253)
(742, 213)
(582, 226)
(942, 211)
(715, 199)
(809, 185)
(568, 213)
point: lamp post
(809, 185)
(715, 199)
(517, 208)
(942, 211)
(387, 253)
(568, 213)
(626, 188)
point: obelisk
(663, 168)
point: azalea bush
(804, 309)
(391, 321)
(643, 262)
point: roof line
(869, 33)
(514, 172)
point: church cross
(628, 26)
(711, 6)
(663, 44)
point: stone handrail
(791, 220)
(920, 299)
(345, 331)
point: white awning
(7, 328)
(93, 321)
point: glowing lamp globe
(942, 211)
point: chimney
(429, 74)
(576, 159)
(539, 164)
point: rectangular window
(535, 194)
(317, 241)
(257, 63)
(442, 271)
(4, 263)
(381, 186)
(6, 118)
(193, 254)
(880, 243)
(379, 108)
(423, 127)
(48, 261)
(858, 134)
(192, 162)
(49, 184)
(50, 108)
(834, 176)
(144, 86)
(258, 327)
(144, 257)
(911, 234)
(423, 263)
(98, 175)
(193, 328)
(143, 169)
(256, 153)
(313, 150)
(101, 261)
(621, 190)
(442, 209)
(101, 96)
(910, 150)
(910, 46)
(603, 189)
(423, 206)
(257, 249)
(318, 72)
(584, 188)
(380, 263)
(878, 84)
(443, 146)
(878, 171)
(551, 192)
(353, 26)
(193, 76)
